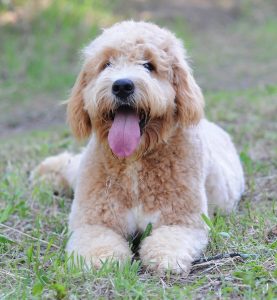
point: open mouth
(143, 116)
(126, 130)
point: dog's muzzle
(127, 120)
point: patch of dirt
(199, 13)
(14, 14)
(226, 53)
(39, 114)
(271, 234)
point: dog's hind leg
(59, 171)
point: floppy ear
(77, 116)
(189, 98)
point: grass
(49, 32)
(33, 221)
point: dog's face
(134, 89)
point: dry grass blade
(29, 236)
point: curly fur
(184, 164)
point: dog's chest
(137, 219)
(132, 173)
(137, 216)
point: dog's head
(134, 89)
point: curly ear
(77, 116)
(189, 98)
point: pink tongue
(124, 135)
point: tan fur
(77, 116)
(183, 162)
(156, 170)
(189, 98)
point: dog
(152, 157)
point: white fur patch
(137, 219)
(173, 247)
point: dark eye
(106, 65)
(150, 67)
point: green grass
(42, 54)
(39, 62)
(34, 220)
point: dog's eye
(106, 65)
(150, 67)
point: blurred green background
(232, 45)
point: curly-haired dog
(151, 158)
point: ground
(233, 51)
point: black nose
(123, 88)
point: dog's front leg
(97, 244)
(173, 248)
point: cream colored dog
(151, 158)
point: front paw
(160, 257)
(97, 244)
(172, 248)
